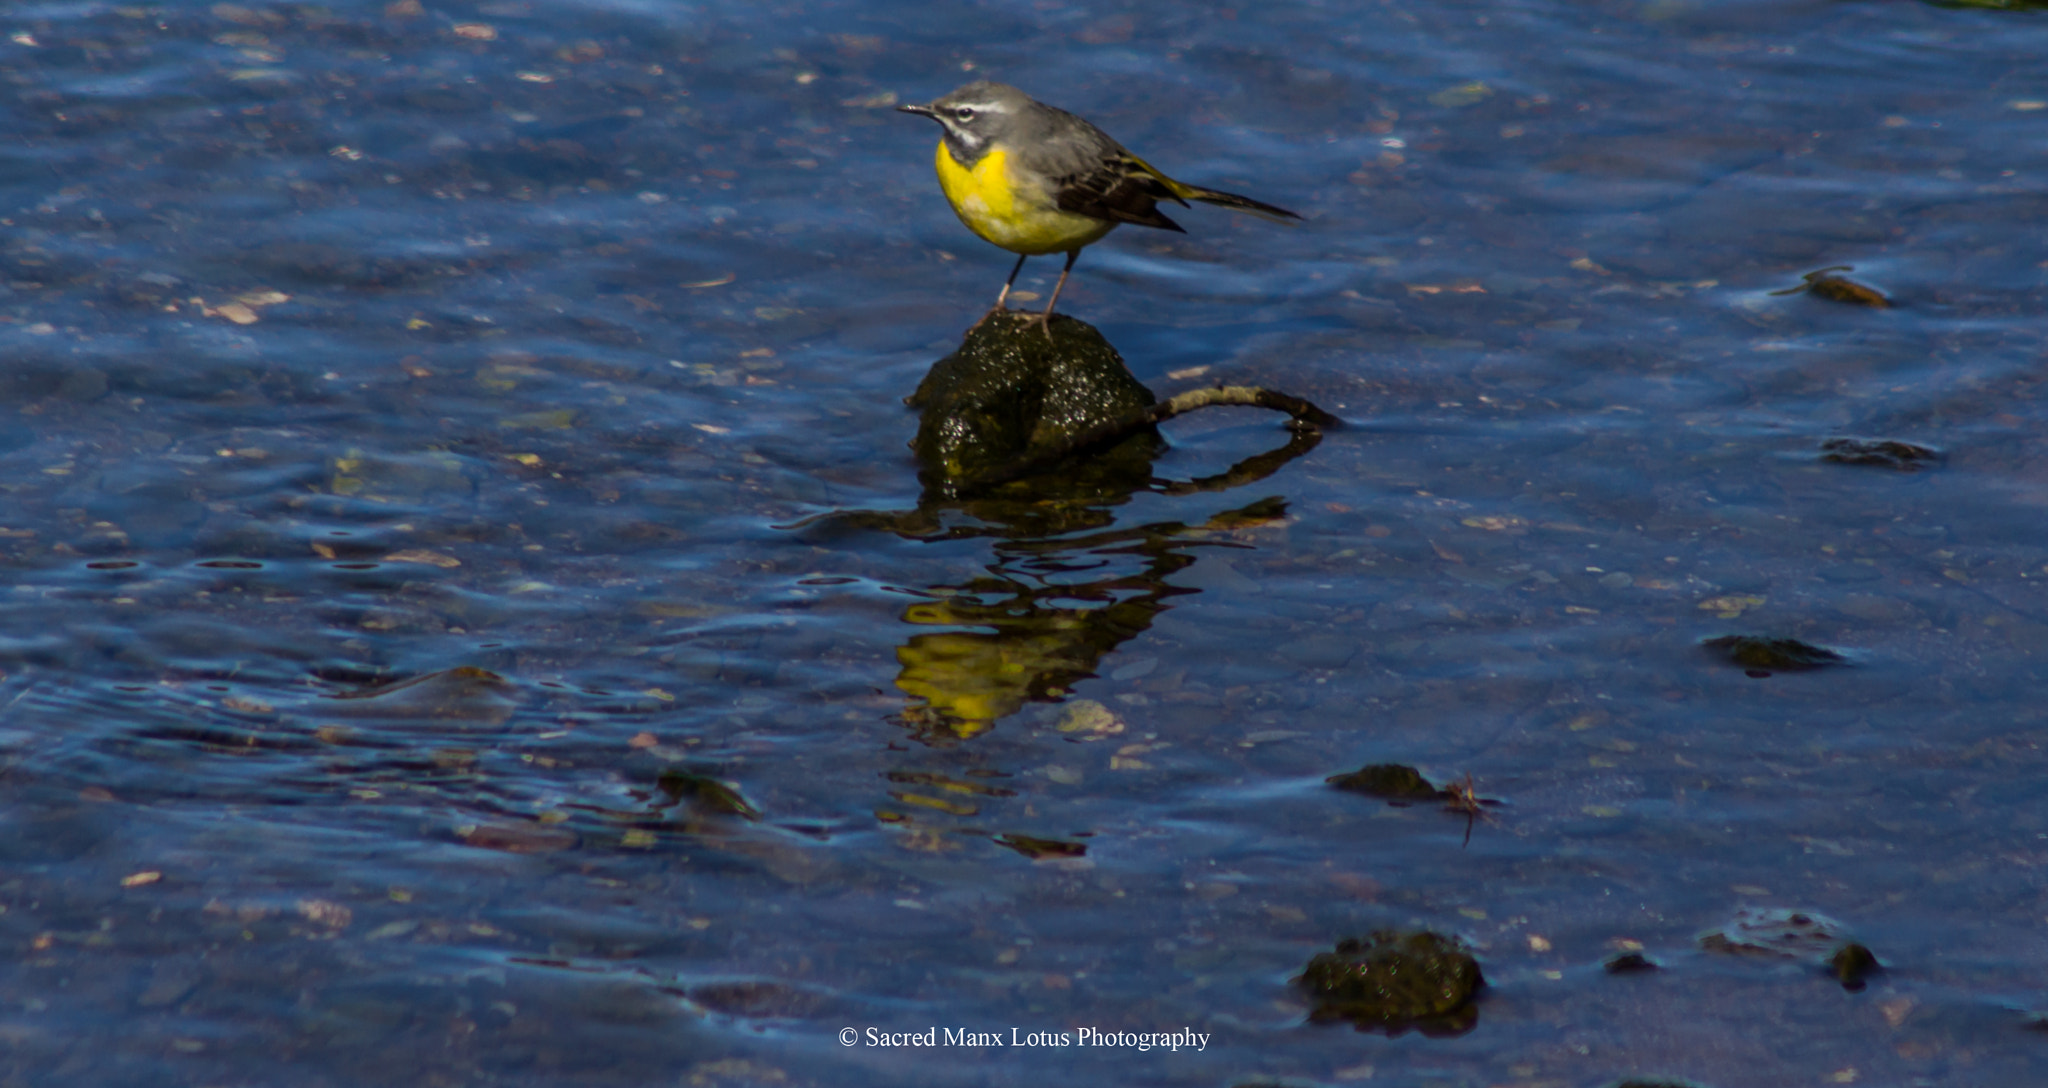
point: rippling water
(473, 620)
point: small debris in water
(707, 793)
(1732, 605)
(1036, 848)
(1090, 719)
(1835, 288)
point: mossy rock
(1389, 781)
(1011, 391)
(1394, 979)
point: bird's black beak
(921, 111)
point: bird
(1035, 179)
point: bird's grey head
(977, 115)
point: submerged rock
(465, 694)
(1395, 980)
(1630, 963)
(1390, 781)
(1763, 655)
(1879, 452)
(760, 999)
(1010, 391)
(1776, 933)
(1804, 936)
(518, 838)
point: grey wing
(1093, 175)
(1114, 190)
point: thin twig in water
(1245, 396)
(1461, 797)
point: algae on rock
(1393, 980)
(1010, 391)
(1390, 781)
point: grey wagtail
(1036, 180)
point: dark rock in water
(1656, 1082)
(1881, 452)
(1853, 965)
(1392, 781)
(1762, 655)
(1010, 391)
(1395, 980)
(1631, 963)
(706, 793)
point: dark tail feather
(1240, 203)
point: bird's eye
(965, 113)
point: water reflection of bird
(1037, 180)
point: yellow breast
(1021, 220)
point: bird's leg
(999, 308)
(1018, 267)
(1045, 319)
